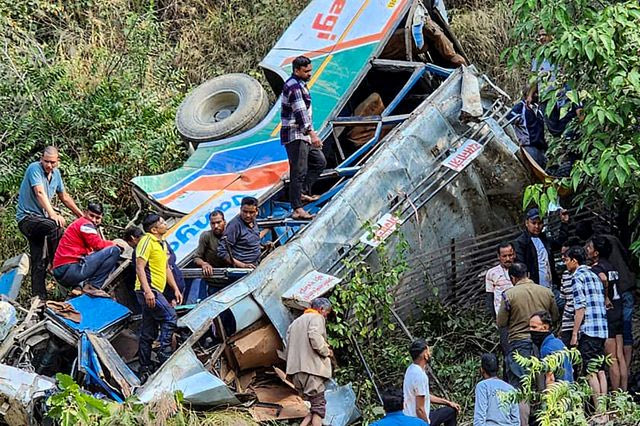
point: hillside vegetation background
(102, 79)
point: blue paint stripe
(233, 161)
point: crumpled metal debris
(8, 319)
(19, 390)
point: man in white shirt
(497, 281)
(417, 398)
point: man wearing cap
(533, 248)
(415, 388)
(309, 358)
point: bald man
(37, 219)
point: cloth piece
(208, 250)
(415, 383)
(156, 253)
(296, 112)
(441, 43)
(487, 409)
(544, 268)
(497, 282)
(520, 302)
(590, 348)
(398, 418)
(552, 344)
(94, 268)
(515, 371)
(43, 235)
(33, 176)
(588, 293)
(566, 292)
(627, 317)
(305, 165)
(162, 316)
(64, 310)
(443, 416)
(307, 350)
(243, 241)
(312, 388)
(372, 105)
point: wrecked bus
(412, 144)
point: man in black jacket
(534, 248)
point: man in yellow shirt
(152, 275)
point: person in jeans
(37, 220)
(153, 273)
(83, 257)
(415, 388)
(566, 293)
(304, 147)
(590, 328)
(487, 410)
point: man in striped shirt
(304, 147)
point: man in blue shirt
(240, 243)
(392, 402)
(487, 409)
(37, 220)
(529, 125)
(540, 328)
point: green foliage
(594, 51)
(562, 403)
(71, 406)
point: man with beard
(304, 147)
(207, 252)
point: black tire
(221, 107)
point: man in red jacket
(83, 256)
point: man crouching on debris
(308, 358)
(152, 275)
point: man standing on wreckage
(309, 358)
(152, 275)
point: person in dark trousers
(393, 403)
(153, 273)
(590, 328)
(83, 257)
(487, 410)
(541, 335)
(529, 125)
(566, 294)
(619, 258)
(534, 248)
(417, 396)
(37, 220)
(304, 147)
(598, 250)
(518, 304)
(240, 243)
